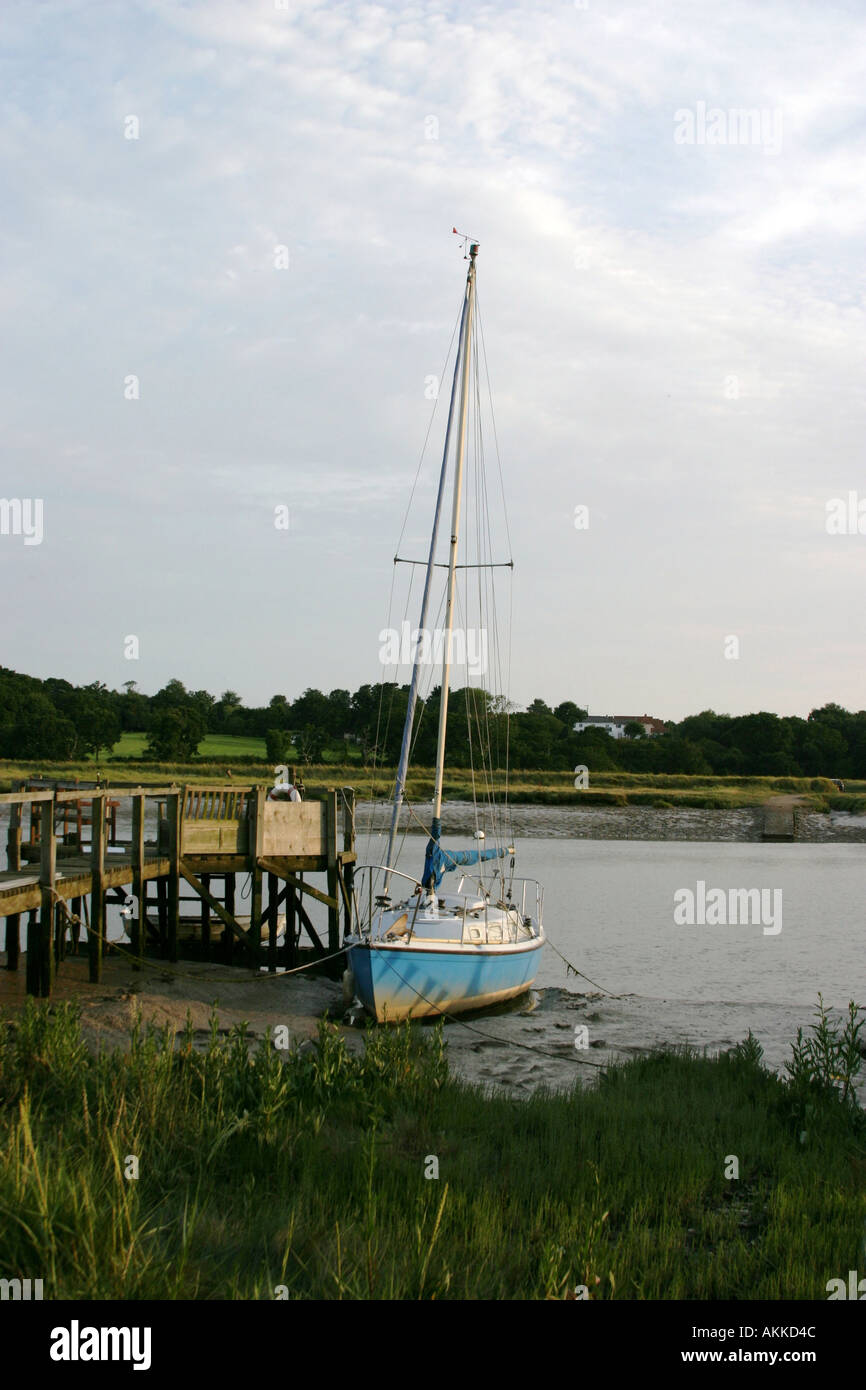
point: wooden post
(162, 914)
(13, 861)
(331, 833)
(348, 847)
(138, 881)
(32, 973)
(229, 936)
(96, 930)
(348, 819)
(47, 876)
(145, 909)
(256, 849)
(349, 924)
(273, 914)
(257, 823)
(256, 918)
(75, 906)
(59, 946)
(205, 920)
(291, 925)
(174, 812)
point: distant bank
(809, 808)
(663, 791)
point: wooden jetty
(72, 864)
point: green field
(132, 745)
(229, 746)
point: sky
(228, 273)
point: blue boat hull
(395, 982)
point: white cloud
(624, 280)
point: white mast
(455, 530)
(402, 767)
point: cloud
(674, 332)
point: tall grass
(301, 1174)
(525, 786)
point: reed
(301, 1174)
(525, 786)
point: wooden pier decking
(202, 834)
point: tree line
(53, 719)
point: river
(609, 908)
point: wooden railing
(215, 803)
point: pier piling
(204, 836)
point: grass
(247, 760)
(301, 1175)
(846, 801)
(229, 746)
(132, 745)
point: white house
(614, 724)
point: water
(611, 904)
(609, 909)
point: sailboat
(417, 950)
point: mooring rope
(490, 1037)
(573, 970)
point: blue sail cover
(438, 861)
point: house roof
(623, 719)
